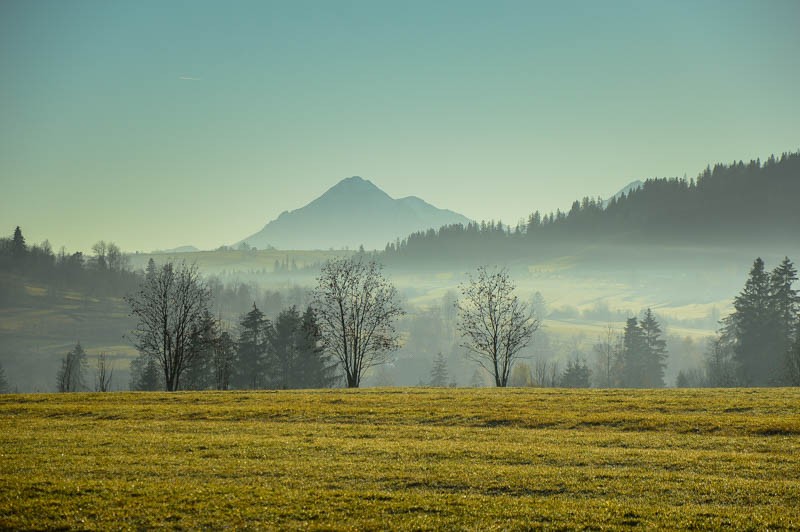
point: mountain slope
(739, 206)
(627, 189)
(353, 212)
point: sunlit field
(402, 458)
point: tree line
(183, 346)
(348, 329)
(725, 202)
(106, 273)
(758, 344)
(635, 357)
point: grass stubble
(402, 458)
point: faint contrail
(188, 78)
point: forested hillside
(727, 204)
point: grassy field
(402, 459)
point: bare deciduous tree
(606, 349)
(104, 371)
(540, 369)
(494, 322)
(356, 307)
(170, 306)
(70, 374)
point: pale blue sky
(157, 124)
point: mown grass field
(402, 459)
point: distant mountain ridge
(352, 213)
(179, 249)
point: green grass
(402, 459)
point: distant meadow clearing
(402, 458)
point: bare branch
(495, 323)
(356, 307)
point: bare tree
(356, 307)
(721, 367)
(540, 368)
(104, 371)
(494, 322)
(606, 355)
(553, 376)
(170, 306)
(70, 374)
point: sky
(158, 124)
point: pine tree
(477, 380)
(4, 387)
(18, 247)
(253, 343)
(296, 358)
(633, 351)
(576, 375)
(200, 371)
(752, 329)
(283, 353)
(224, 360)
(315, 368)
(655, 352)
(151, 378)
(439, 375)
(785, 308)
(150, 272)
(793, 364)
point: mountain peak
(352, 190)
(352, 212)
(354, 182)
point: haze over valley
(581, 270)
(452, 265)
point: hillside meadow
(403, 459)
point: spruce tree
(4, 387)
(151, 377)
(655, 352)
(633, 355)
(576, 375)
(18, 247)
(793, 364)
(752, 329)
(254, 331)
(224, 360)
(199, 373)
(296, 357)
(315, 368)
(283, 353)
(439, 375)
(151, 271)
(785, 305)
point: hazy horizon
(159, 125)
